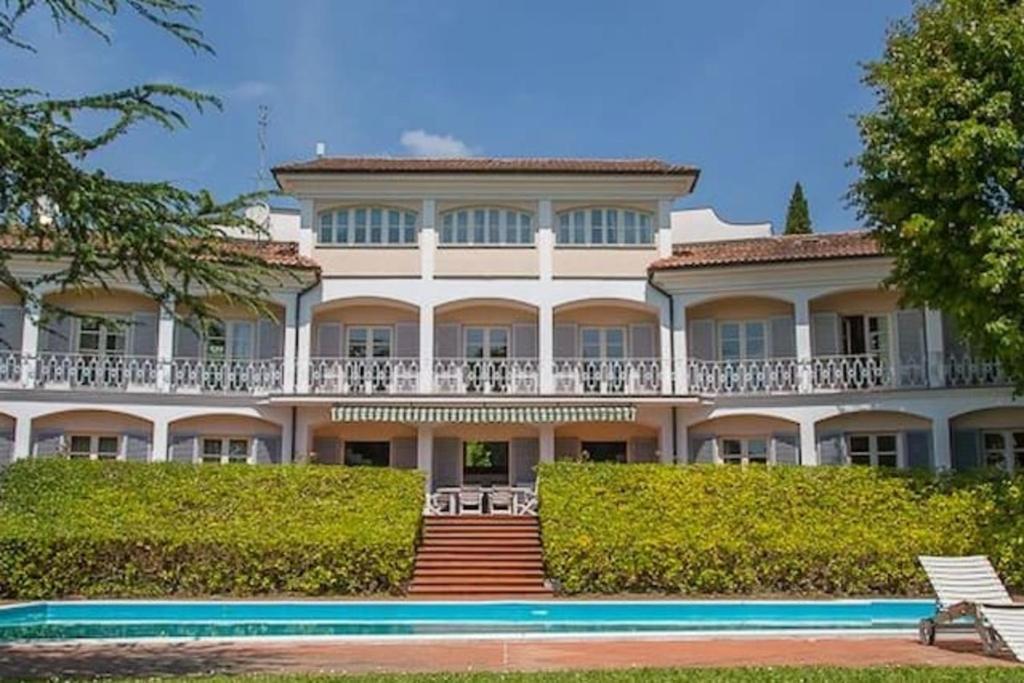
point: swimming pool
(129, 619)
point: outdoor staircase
(480, 556)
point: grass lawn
(780, 675)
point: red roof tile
(769, 250)
(486, 165)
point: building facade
(474, 317)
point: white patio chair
(501, 501)
(471, 501)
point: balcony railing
(11, 364)
(965, 371)
(770, 376)
(364, 375)
(227, 376)
(608, 376)
(96, 372)
(486, 376)
(865, 372)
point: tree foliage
(798, 215)
(93, 229)
(942, 167)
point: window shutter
(6, 448)
(270, 335)
(787, 448)
(144, 332)
(524, 341)
(11, 319)
(918, 443)
(186, 341)
(57, 337)
(182, 447)
(910, 346)
(403, 453)
(267, 449)
(953, 343)
(328, 340)
(525, 458)
(137, 445)
(407, 341)
(702, 339)
(642, 341)
(448, 341)
(702, 449)
(447, 463)
(643, 449)
(825, 334)
(567, 448)
(564, 342)
(966, 449)
(327, 449)
(783, 337)
(831, 449)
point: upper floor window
(367, 225)
(486, 226)
(605, 226)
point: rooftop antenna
(262, 120)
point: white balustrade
(230, 376)
(865, 372)
(755, 376)
(965, 371)
(11, 363)
(364, 375)
(96, 371)
(486, 376)
(608, 376)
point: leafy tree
(941, 174)
(95, 229)
(798, 215)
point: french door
(487, 353)
(103, 348)
(368, 354)
(603, 359)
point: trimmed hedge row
(134, 529)
(720, 530)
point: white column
(802, 320)
(546, 435)
(303, 354)
(29, 344)
(545, 240)
(664, 228)
(935, 350)
(286, 441)
(165, 348)
(808, 446)
(307, 227)
(666, 448)
(546, 348)
(22, 437)
(682, 360)
(288, 356)
(160, 440)
(428, 238)
(303, 443)
(426, 349)
(682, 438)
(665, 343)
(425, 452)
(942, 453)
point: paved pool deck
(159, 659)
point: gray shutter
(825, 334)
(567, 448)
(448, 341)
(267, 449)
(642, 341)
(919, 448)
(6, 448)
(11, 318)
(966, 449)
(525, 458)
(403, 453)
(327, 449)
(407, 341)
(524, 341)
(57, 335)
(953, 343)
(783, 337)
(145, 327)
(137, 445)
(564, 341)
(328, 340)
(787, 448)
(910, 346)
(447, 462)
(643, 449)
(186, 340)
(46, 442)
(702, 339)
(270, 336)
(702, 449)
(182, 447)
(831, 449)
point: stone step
(512, 572)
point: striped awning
(484, 414)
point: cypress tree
(798, 215)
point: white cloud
(420, 143)
(249, 90)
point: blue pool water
(187, 619)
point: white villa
(529, 309)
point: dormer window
(601, 226)
(486, 226)
(367, 226)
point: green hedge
(126, 529)
(720, 530)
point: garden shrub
(717, 530)
(133, 529)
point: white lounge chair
(1006, 626)
(501, 501)
(968, 588)
(471, 501)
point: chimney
(321, 149)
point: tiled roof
(769, 250)
(486, 165)
(284, 254)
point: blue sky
(757, 93)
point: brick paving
(149, 659)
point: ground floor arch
(93, 434)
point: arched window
(487, 226)
(602, 226)
(367, 225)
